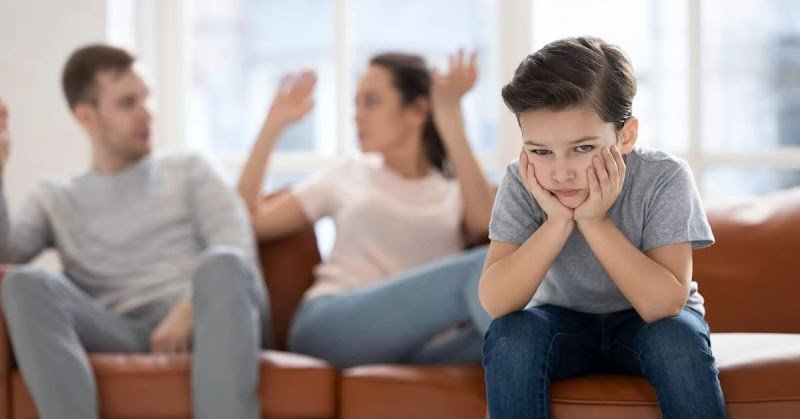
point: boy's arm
(655, 282)
(512, 274)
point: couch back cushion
(751, 277)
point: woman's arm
(447, 91)
(283, 214)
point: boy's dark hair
(411, 77)
(574, 72)
(78, 77)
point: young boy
(590, 264)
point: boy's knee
(516, 332)
(670, 339)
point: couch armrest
(5, 361)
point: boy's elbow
(660, 313)
(491, 308)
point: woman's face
(382, 120)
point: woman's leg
(391, 321)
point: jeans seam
(638, 356)
(545, 382)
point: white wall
(36, 37)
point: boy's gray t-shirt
(659, 205)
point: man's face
(120, 120)
(561, 144)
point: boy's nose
(563, 174)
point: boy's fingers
(611, 166)
(600, 169)
(620, 163)
(594, 184)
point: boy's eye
(540, 152)
(584, 148)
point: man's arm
(219, 214)
(23, 240)
(29, 234)
(221, 220)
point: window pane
(751, 74)
(434, 30)
(240, 50)
(654, 35)
(722, 182)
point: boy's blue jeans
(524, 350)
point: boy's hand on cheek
(554, 209)
(606, 176)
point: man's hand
(174, 334)
(448, 89)
(555, 210)
(4, 137)
(606, 176)
(293, 100)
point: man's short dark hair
(78, 78)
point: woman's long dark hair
(411, 77)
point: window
(719, 81)
(738, 123)
(654, 35)
(239, 51)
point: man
(158, 256)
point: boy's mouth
(566, 192)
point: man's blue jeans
(524, 350)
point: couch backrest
(750, 278)
(287, 265)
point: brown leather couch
(750, 278)
(751, 281)
(157, 386)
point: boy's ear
(628, 135)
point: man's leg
(230, 309)
(53, 324)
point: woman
(398, 286)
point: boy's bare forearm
(653, 291)
(510, 282)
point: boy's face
(560, 145)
